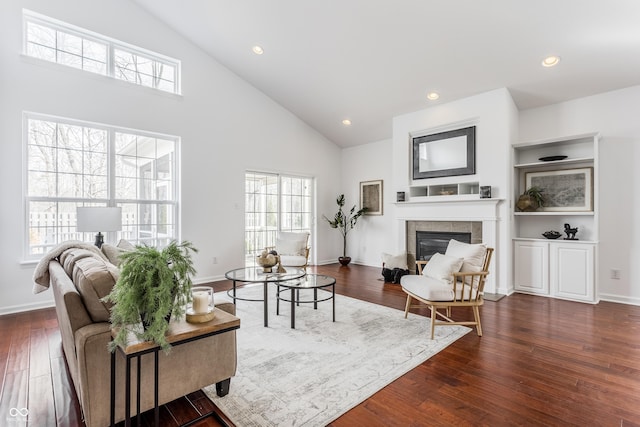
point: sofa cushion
(113, 252)
(69, 257)
(441, 267)
(94, 278)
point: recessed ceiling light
(433, 96)
(550, 61)
(257, 50)
(346, 122)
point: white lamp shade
(99, 219)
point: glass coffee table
(310, 281)
(257, 275)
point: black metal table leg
(127, 393)
(293, 308)
(266, 312)
(333, 299)
(278, 301)
(156, 408)
(234, 291)
(138, 393)
(315, 298)
(113, 389)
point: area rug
(311, 375)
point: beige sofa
(79, 279)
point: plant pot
(527, 204)
(344, 260)
(146, 323)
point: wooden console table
(180, 332)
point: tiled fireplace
(424, 238)
(478, 217)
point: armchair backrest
(467, 281)
(292, 243)
(472, 283)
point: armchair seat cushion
(433, 289)
(293, 260)
(427, 287)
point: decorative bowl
(552, 158)
(268, 261)
(551, 234)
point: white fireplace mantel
(484, 210)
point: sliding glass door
(273, 203)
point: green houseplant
(153, 285)
(532, 199)
(344, 222)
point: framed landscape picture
(564, 190)
(371, 197)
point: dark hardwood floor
(541, 362)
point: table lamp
(99, 219)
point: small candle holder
(200, 309)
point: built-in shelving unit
(559, 268)
(445, 190)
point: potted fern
(532, 199)
(344, 222)
(153, 285)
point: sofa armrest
(69, 306)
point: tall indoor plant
(153, 285)
(344, 222)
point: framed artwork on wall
(371, 197)
(450, 153)
(564, 190)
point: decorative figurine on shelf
(570, 232)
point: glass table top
(310, 281)
(256, 274)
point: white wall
(615, 116)
(370, 238)
(226, 126)
(495, 116)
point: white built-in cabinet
(558, 268)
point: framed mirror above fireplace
(450, 153)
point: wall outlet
(615, 273)
(214, 260)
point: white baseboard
(208, 279)
(620, 299)
(26, 307)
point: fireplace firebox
(430, 242)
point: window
(56, 41)
(274, 203)
(71, 164)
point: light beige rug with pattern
(311, 375)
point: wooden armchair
(462, 289)
(293, 249)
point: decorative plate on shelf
(552, 158)
(551, 234)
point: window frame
(111, 198)
(111, 45)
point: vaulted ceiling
(370, 60)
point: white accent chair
(292, 248)
(455, 279)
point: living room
(227, 126)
